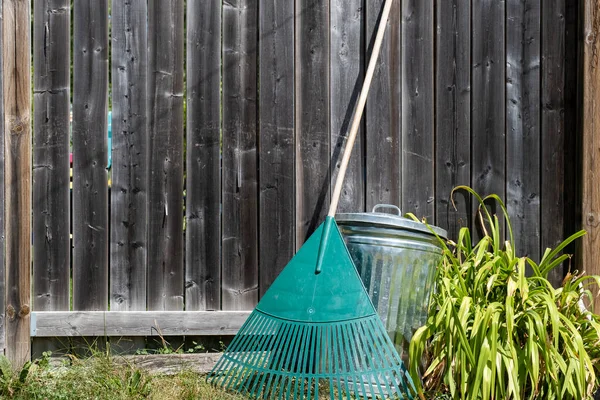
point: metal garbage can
(396, 258)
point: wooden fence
(227, 123)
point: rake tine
(278, 365)
(337, 359)
(273, 342)
(254, 359)
(223, 360)
(294, 366)
(285, 365)
(385, 342)
(275, 358)
(361, 352)
(243, 357)
(387, 345)
(306, 368)
(235, 346)
(376, 335)
(351, 360)
(370, 345)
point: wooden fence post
(591, 140)
(16, 72)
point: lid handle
(391, 206)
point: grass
(101, 377)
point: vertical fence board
(240, 208)
(418, 184)
(523, 123)
(52, 93)
(276, 127)
(165, 191)
(453, 113)
(128, 218)
(51, 144)
(2, 193)
(591, 141)
(312, 116)
(553, 139)
(203, 186)
(17, 167)
(346, 62)
(488, 100)
(383, 110)
(90, 187)
(572, 136)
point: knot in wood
(17, 125)
(25, 310)
(10, 312)
(591, 220)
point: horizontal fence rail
(184, 150)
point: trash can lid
(388, 220)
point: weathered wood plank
(136, 323)
(276, 151)
(591, 141)
(453, 113)
(346, 66)
(2, 194)
(165, 191)
(90, 184)
(52, 92)
(128, 227)
(312, 116)
(523, 41)
(384, 110)
(418, 184)
(203, 187)
(17, 168)
(240, 197)
(488, 103)
(553, 128)
(170, 364)
(572, 124)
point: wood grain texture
(203, 186)
(347, 22)
(128, 217)
(312, 116)
(276, 146)
(2, 196)
(523, 186)
(90, 184)
(171, 364)
(552, 220)
(488, 103)
(240, 186)
(51, 209)
(136, 323)
(572, 133)
(453, 113)
(418, 185)
(165, 289)
(383, 111)
(16, 65)
(591, 140)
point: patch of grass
(100, 377)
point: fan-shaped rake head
(314, 332)
(273, 358)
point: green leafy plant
(495, 332)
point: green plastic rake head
(314, 332)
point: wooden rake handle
(360, 107)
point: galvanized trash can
(396, 258)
